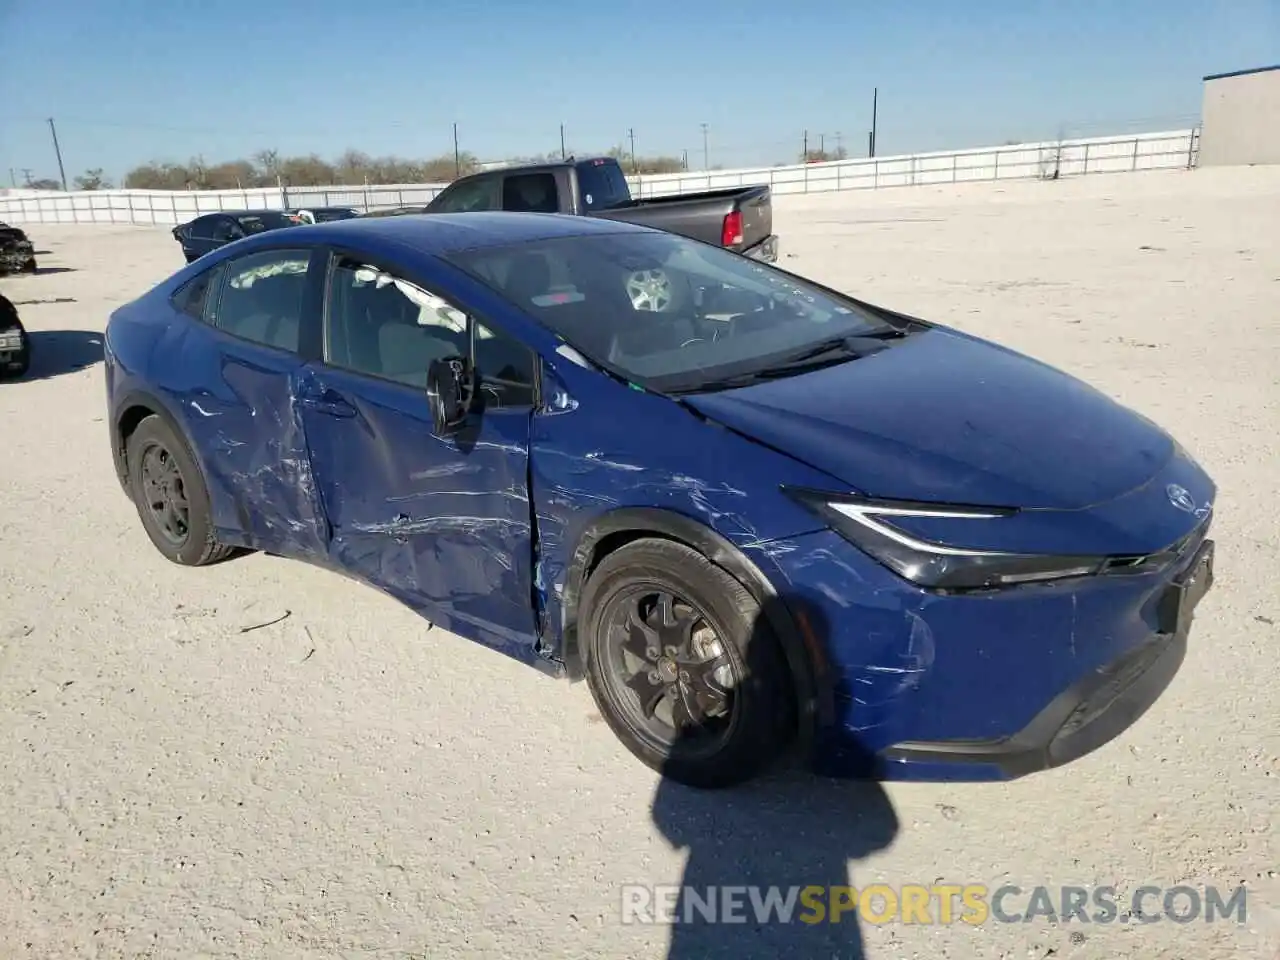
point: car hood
(946, 417)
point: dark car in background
(213, 230)
(394, 212)
(17, 253)
(740, 219)
(323, 214)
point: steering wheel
(650, 291)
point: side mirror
(450, 387)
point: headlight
(866, 523)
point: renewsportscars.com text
(930, 904)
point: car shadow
(55, 352)
(46, 271)
(774, 836)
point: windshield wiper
(852, 345)
(823, 354)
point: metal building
(1240, 118)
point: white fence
(1066, 158)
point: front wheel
(170, 495)
(683, 666)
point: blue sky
(129, 81)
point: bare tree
(92, 180)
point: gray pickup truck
(739, 219)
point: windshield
(257, 222)
(669, 313)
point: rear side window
(193, 297)
(481, 194)
(530, 193)
(252, 223)
(204, 228)
(262, 296)
(602, 185)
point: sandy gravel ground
(351, 783)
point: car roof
(444, 233)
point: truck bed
(701, 216)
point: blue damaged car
(757, 515)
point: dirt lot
(349, 782)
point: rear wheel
(683, 667)
(170, 495)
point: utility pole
(706, 153)
(631, 135)
(875, 98)
(562, 153)
(13, 180)
(839, 137)
(26, 176)
(457, 155)
(804, 151)
(684, 161)
(58, 152)
(822, 145)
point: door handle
(329, 402)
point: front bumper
(15, 350)
(989, 686)
(18, 258)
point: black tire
(196, 547)
(761, 702)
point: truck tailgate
(757, 219)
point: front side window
(387, 327)
(673, 314)
(480, 194)
(262, 296)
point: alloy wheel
(164, 493)
(670, 671)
